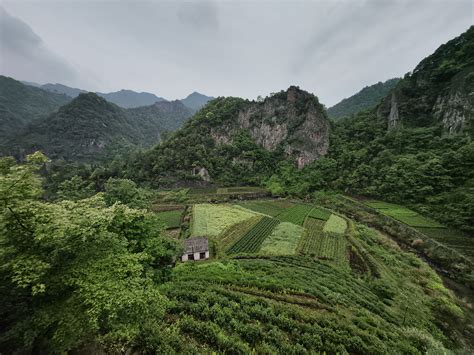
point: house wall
(184, 257)
(196, 256)
(207, 254)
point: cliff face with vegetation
(240, 141)
(439, 91)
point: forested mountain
(415, 148)
(89, 127)
(62, 89)
(196, 100)
(233, 140)
(367, 98)
(21, 104)
(130, 99)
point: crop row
(319, 213)
(324, 245)
(295, 214)
(253, 239)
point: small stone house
(195, 249)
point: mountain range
(125, 98)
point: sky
(223, 48)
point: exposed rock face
(293, 120)
(202, 172)
(438, 93)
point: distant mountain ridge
(89, 127)
(367, 98)
(125, 98)
(21, 104)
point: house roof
(196, 245)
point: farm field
(283, 240)
(319, 213)
(295, 214)
(452, 238)
(271, 208)
(326, 245)
(230, 235)
(210, 220)
(335, 225)
(171, 219)
(404, 215)
(253, 239)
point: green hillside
(21, 104)
(367, 98)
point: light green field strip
(283, 240)
(209, 220)
(335, 224)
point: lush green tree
(75, 274)
(125, 191)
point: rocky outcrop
(293, 120)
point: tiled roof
(196, 245)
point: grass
(270, 208)
(253, 239)
(335, 224)
(210, 220)
(283, 240)
(171, 219)
(295, 214)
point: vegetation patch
(319, 213)
(295, 214)
(452, 238)
(210, 220)
(271, 208)
(230, 235)
(335, 225)
(171, 219)
(283, 240)
(253, 239)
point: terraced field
(455, 239)
(404, 215)
(235, 232)
(295, 214)
(283, 240)
(209, 220)
(335, 225)
(319, 213)
(171, 219)
(271, 208)
(253, 239)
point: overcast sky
(223, 48)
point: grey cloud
(24, 55)
(200, 15)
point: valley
(133, 224)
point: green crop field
(335, 224)
(309, 242)
(210, 220)
(171, 219)
(295, 214)
(283, 240)
(327, 245)
(452, 238)
(230, 235)
(202, 190)
(319, 213)
(253, 239)
(404, 215)
(271, 208)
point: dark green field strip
(319, 213)
(253, 239)
(271, 208)
(452, 238)
(309, 242)
(295, 214)
(172, 219)
(202, 190)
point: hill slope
(21, 104)
(89, 127)
(232, 140)
(438, 92)
(368, 97)
(196, 100)
(129, 98)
